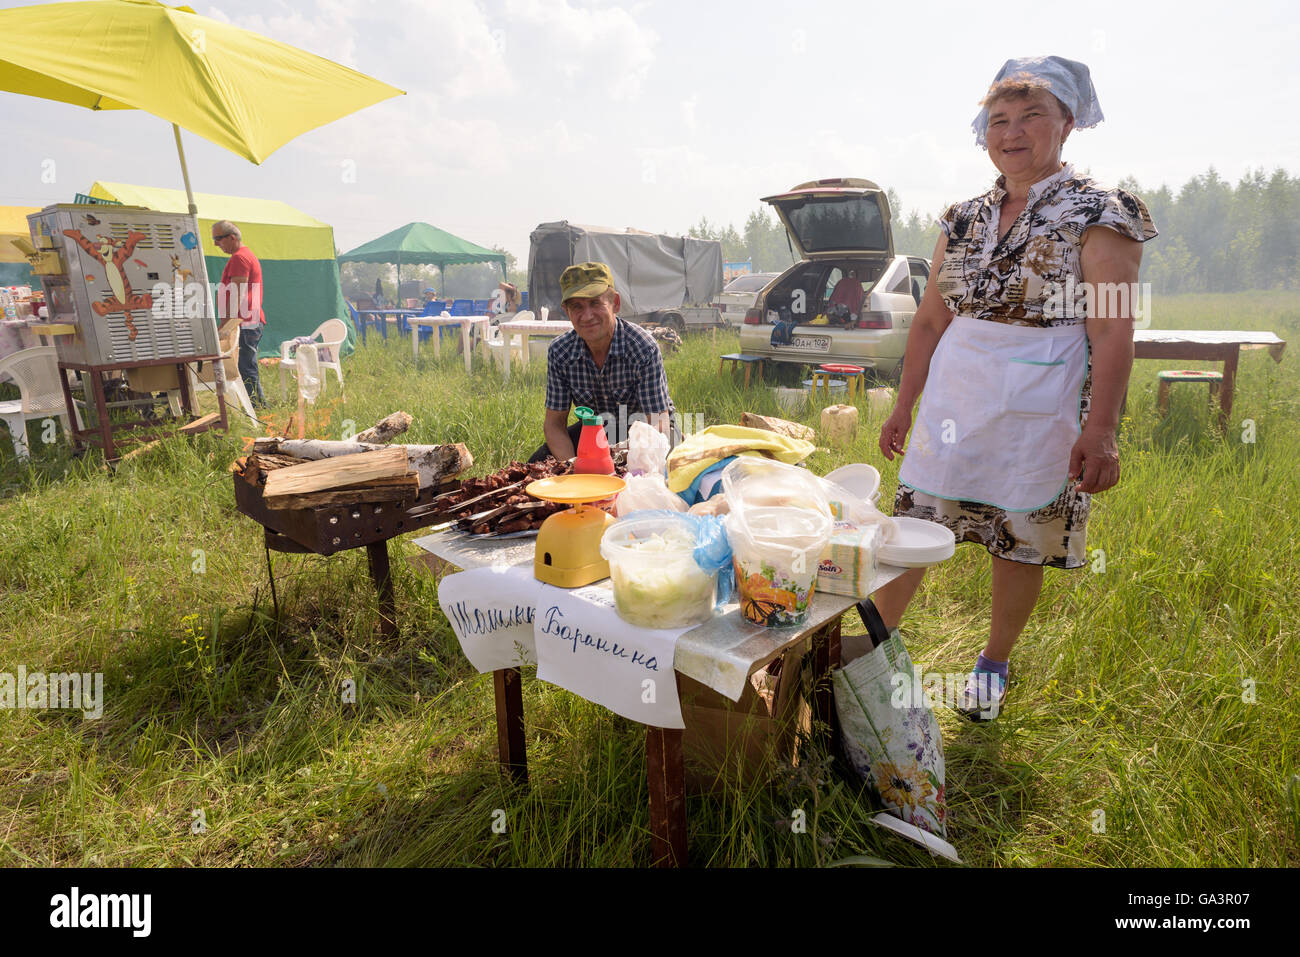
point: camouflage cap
(585, 281)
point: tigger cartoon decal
(112, 255)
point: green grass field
(1159, 691)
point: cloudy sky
(653, 114)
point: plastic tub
(790, 400)
(832, 386)
(657, 583)
(777, 552)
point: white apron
(999, 414)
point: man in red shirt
(240, 296)
(848, 292)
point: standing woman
(1021, 368)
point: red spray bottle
(593, 445)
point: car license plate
(811, 343)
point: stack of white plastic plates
(918, 543)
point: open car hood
(830, 217)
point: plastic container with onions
(657, 581)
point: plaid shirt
(633, 374)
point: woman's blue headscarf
(1068, 80)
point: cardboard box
(153, 379)
(729, 742)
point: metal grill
(326, 529)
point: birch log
(386, 429)
(434, 463)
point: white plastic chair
(331, 333)
(207, 377)
(37, 373)
(492, 346)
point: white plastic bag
(647, 492)
(647, 451)
(757, 482)
(307, 362)
(847, 507)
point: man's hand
(1094, 460)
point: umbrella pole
(185, 172)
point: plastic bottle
(593, 445)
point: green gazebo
(422, 245)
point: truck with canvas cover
(662, 280)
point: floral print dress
(1029, 278)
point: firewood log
(386, 429)
(433, 463)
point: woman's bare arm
(928, 325)
(1110, 264)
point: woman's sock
(998, 668)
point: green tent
(422, 245)
(300, 277)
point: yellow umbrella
(231, 86)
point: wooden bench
(1168, 377)
(740, 357)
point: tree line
(1214, 236)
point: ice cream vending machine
(132, 281)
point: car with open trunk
(813, 313)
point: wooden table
(380, 316)
(721, 653)
(1209, 345)
(467, 325)
(530, 327)
(92, 377)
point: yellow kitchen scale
(568, 543)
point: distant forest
(1214, 237)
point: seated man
(605, 363)
(433, 306)
(848, 292)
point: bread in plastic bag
(755, 482)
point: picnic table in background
(467, 325)
(721, 653)
(527, 328)
(1211, 345)
(380, 317)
